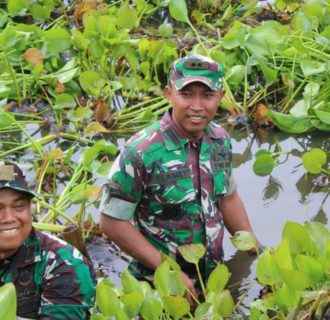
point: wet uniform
(52, 279)
(172, 188)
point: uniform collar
(29, 252)
(174, 139)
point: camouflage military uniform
(52, 279)
(172, 189)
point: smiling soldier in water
(174, 179)
(52, 279)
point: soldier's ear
(167, 91)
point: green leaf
(79, 40)
(264, 165)
(311, 268)
(64, 101)
(130, 283)
(94, 128)
(204, 311)
(192, 252)
(244, 240)
(235, 37)
(300, 108)
(177, 307)
(285, 297)
(104, 294)
(301, 23)
(161, 279)
(218, 278)
(83, 192)
(40, 12)
(310, 67)
(4, 120)
(263, 40)
(294, 279)
(282, 254)
(91, 82)
(299, 239)
(178, 10)
(262, 152)
(313, 160)
(319, 233)
(132, 302)
(223, 303)
(127, 17)
(267, 268)
(323, 115)
(176, 285)
(151, 309)
(68, 71)
(17, 7)
(165, 30)
(57, 40)
(318, 124)
(290, 123)
(235, 75)
(269, 73)
(8, 302)
(98, 316)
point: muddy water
(288, 194)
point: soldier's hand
(190, 290)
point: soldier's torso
(173, 211)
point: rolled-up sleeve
(232, 185)
(121, 194)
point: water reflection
(288, 194)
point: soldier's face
(194, 106)
(15, 220)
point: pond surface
(288, 194)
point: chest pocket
(172, 200)
(171, 187)
(28, 293)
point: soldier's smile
(15, 220)
(194, 107)
(9, 231)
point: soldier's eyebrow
(21, 197)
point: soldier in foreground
(174, 179)
(52, 279)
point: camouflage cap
(11, 176)
(196, 68)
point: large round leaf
(91, 82)
(313, 160)
(192, 252)
(177, 307)
(264, 165)
(223, 303)
(151, 309)
(179, 11)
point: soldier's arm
(234, 214)
(130, 240)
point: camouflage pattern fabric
(194, 68)
(153, 182)
(52, 279)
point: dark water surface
(288, 194)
